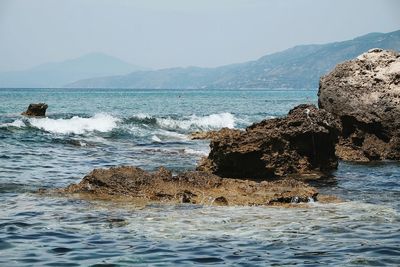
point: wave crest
(16, 124)
(210, 122)
(76, 125)
(139, 125)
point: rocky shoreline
(358, 119)
(300, 145)
(364, 95)
(362, 98)
(195, 187)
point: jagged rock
(36, 110)
(213, 134)
(135, 184)
(301, 144)
(364, 94)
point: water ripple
(148, 129)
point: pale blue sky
(162, 33)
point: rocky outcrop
(213, 134)
(301, 144)
(36, 110)
(135, 184)
(364, 94)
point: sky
(169, 33)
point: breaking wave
(16, 124)
(213, 121)
(193, 122)
(140, 125)
(76, 125)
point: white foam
(213, 121)
(142, 116)
(196, 152)
(16, 123)
(156, 139)
(76, 125)
(135, 130)
(172, 135)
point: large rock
(36, 110)
(364, 94)
(302, 144)
(136, 185)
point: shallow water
(87, 129)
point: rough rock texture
(213, 134)
(131, 183)
(364, 94)
(36, 110)
(301, 144)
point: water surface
(88, 129)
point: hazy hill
(297, 67)
(60, 73)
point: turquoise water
(88, 129)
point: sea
(101, 128)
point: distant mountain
(297, 67)
(60, 73)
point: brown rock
(36, 110)
(364, 94)
(135, 184)
(300, 144)
(214, 134)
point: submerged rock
(36, 110)
(189, 187)
(364, 94)
(301, 144)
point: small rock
(36, 110)
(221, 201)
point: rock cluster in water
(300, 144)
(364, 95)
(189, 187)
(36, 110)
(358, 119)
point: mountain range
(58, 74)
(297, 67)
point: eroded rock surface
(301, 144)
(189, 187)
(364, 94)
(213, 134)
(36, 110)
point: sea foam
(213, 121)
(76, 125)
(16, 123)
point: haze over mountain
(297, 67)
(58, 74)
